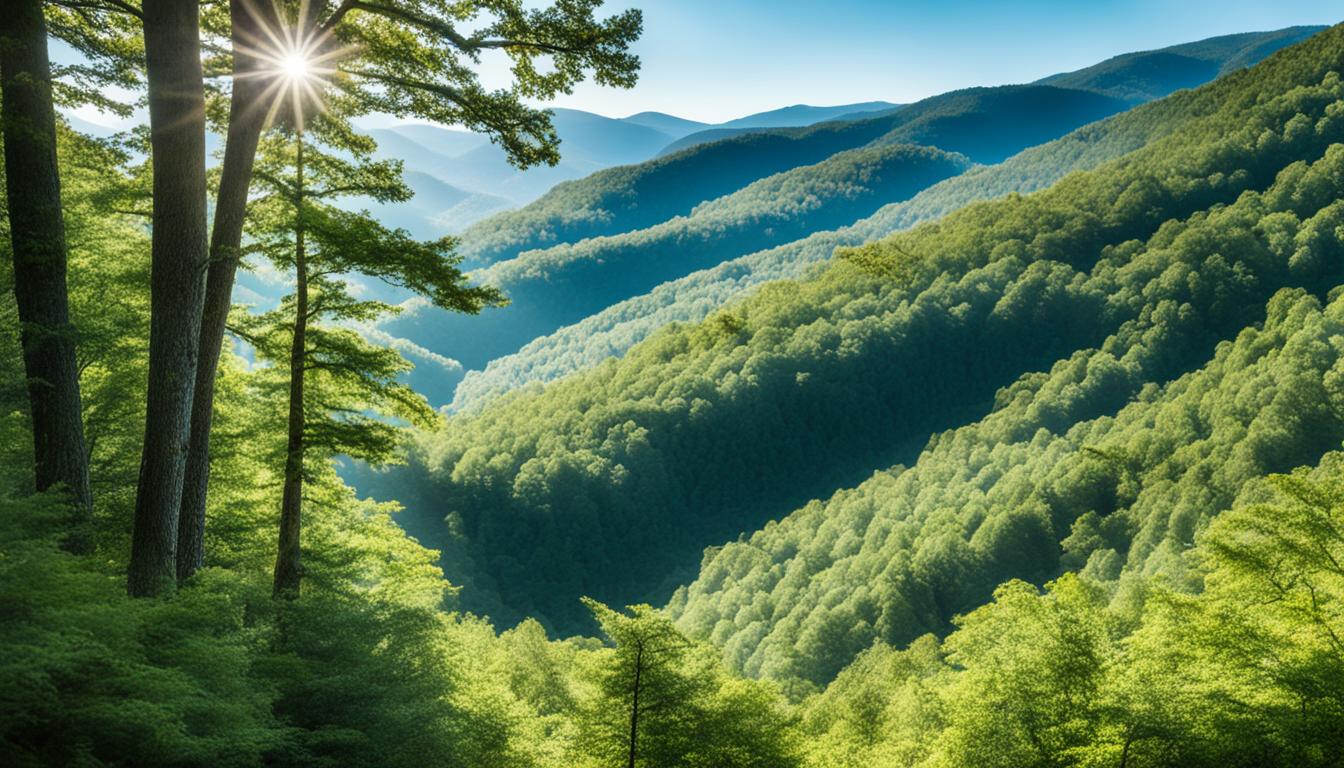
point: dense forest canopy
(638, 243)
(694, 297)
(705, 431)
(1051, 479)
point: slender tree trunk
(247, 116)
(288, 568)
(634, 705)
(177, 284)
(37, 232)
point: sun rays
(296, 60)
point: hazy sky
(713, 60)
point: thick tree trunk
(177, 283)
(37, 231)
(247, 114)
(288, 568)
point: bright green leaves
(355, 401)
(414, 59)
(662, 699)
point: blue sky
(717, 59)
(713, 60)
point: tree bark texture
(288, 565)
(177, 283)
(247, 114)
(37, 232)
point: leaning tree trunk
(177, 285)
(247, 114)
(37, 231)
(288, 568)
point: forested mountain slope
(1148, 75)
(624, 199)
(565, 284)
(1097, 465)
(615, 329)
(624, 472)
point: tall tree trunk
(634, 705)
(177, 284)
(37, 232)
(288, 568)
(247, 114)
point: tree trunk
(634, 704)
(288, 568)
(37, 231)
(247, 114)
(177, 285)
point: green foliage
(632, 214)
(354, 396)
(367, 668)
(690, 299)
(626, 471)
(662, 700)
(1134, 673)
(1123, 357)
(565, 283)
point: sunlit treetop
(405, 58)
(420, 59)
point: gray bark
(37, 233)
(247, 116)
(177, 283)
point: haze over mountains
(592, 243)
(1003, 429)
(470, 179)
(751, 394)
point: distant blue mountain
(804, 114)
(673, 126)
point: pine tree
(343, 388)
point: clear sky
(713, 60)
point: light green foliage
(354, 397)
(661, 700)
(1116, 373)
(1247, 672)
(606, 202)
(705, 431)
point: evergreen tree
(342, 389)
(407, 59)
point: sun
(297, 60)
(295, 66)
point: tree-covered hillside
(986, 124)
(705, 431)
(562, 284)
(614, 330)
(1098, 465)
(1088, 440)
(1148, 75)
(567, 283)
(624, 199)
